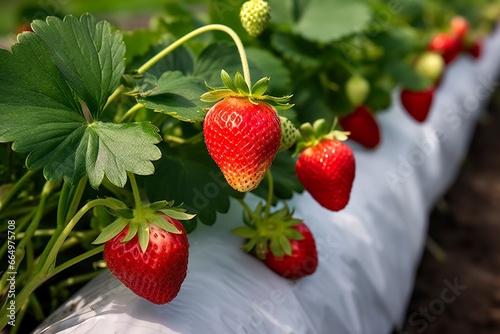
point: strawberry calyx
(139, 221)
(268, 232)
(239, 88)
(313, 134)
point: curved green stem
(137, 196)
(247, 209)
(45, 267)
(270, 194)
(194, 33)
(17, 186)
(61, 207)
(77, 197)
(77, 259)
(115, 94)
(130, 112)
(181, 141)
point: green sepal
(239, 87)
(159, 205)
(293, 234)
(273, 232)
(241, 84)
(250, 245)
(244, 232)
(177, 214)
(111, 231)
(125, 213)
(160, 222)
(260, 87)
(132, 231)
(143, 237)
(228, 82)
(285, 245)
(275, 247)
(313, 134)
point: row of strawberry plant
(117, 126)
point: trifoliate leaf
(89, 56)
(42, 116)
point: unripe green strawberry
(430, 65)
(357, 89)
(254, 16)
(288, 134)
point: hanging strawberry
(243, 131)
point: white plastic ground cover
(368, 252)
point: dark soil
(466, 226)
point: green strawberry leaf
(89, 56)
(297, 50)
(173, 94)
(327, 21)
(113, 149)
(112, 230)
(41, 115)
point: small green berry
(254, 16)
(288, 134)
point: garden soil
(457, 288)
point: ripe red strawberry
(302, 262)
(459, 27)
(326, 170)
(243, 132)
(363, 127)
(243, 139)
(285, 244)
(446, 45)
(418, 103)
(158, 273)
(475, 50)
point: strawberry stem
(270, 194)
(130, 112)
(137, 197)
(194, 33)
(17, 186)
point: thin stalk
(17, 186)
(77, 197)
(270, 194)
(77, 259)
(137, 196)
(37, 307)
(194, 33)
(130, 112)
(45, 267)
